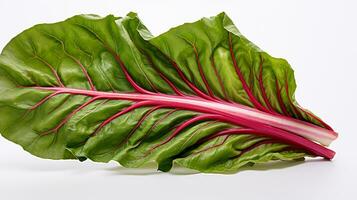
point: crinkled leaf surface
(106, 89)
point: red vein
(262, 88)
(254, 146)
(280, 100)
(120, 113)
(184, 125)
(173, 87)
(142, 119)
(54, 72)
(324, 124)
(198, 130)
(132, 82)
(59, 104)
(197, 91)
(296, 111)
(211, 147)
(242, 80)
(231, 131)
(176, 90)
(118, 60)
(84, 70)
(156, 124)
(42, 101)
(219, 78)
(69, 116)
(126, 73)
(190, 84)
(202, 74)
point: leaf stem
(278, 126)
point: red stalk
(288, 129)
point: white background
(318, 38)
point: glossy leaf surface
(200, 95)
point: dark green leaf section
(86, 51)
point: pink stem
(272, 125)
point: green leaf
(104, 88)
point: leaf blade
(119, 80)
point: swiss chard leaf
(200, 95)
